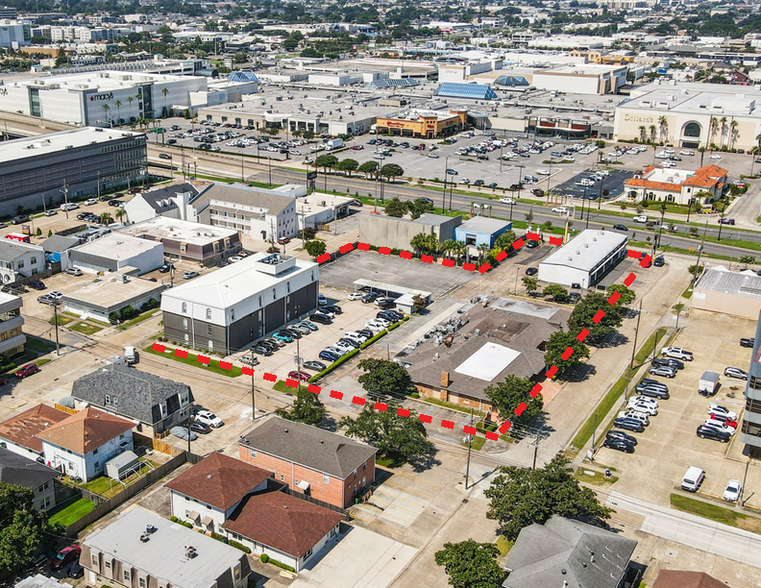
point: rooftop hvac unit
(190, 551)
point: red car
(284, 241)
(303, 376)
(27, 370)
(64, 557)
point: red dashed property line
(403, 412)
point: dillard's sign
(639, 119)
(101, 97)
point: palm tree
(105, 218)
(458, 250)
(120, 214)
(663, 124)
(165, 91)
(642, 133)
(130, 100)
(118, 103)
(419, 243)
(433, 244)
(483, 250)
(713, 126)
(733, 133)
(105, 109)
(723, 123)
(703, 152)
(447, 247)
(652, 133)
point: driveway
(362, 559)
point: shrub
(237, 545)
(373, 339)
(264, 558)
(334, 365)
(281, 565)
(414, 395)
(173, 519)
(218, 537)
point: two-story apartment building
(155, 404)
(80, 445)
(18, 434)
(323, 465)
(20, 260)
(22, 471)
(12, 338)
(140, 549)
(209, 492)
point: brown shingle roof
(679, 579)
(86, 430)
(22, 428)
(219, 480)
(284, 522)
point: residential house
(323, 465)
(680, 579)
(208, 493)
(20, 260)
(156, 404)
(19, 433)
(140, 549)
(80, 445)
(171, 201)
(22, 471)
(564, 552)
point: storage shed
(121, 465)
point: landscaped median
(224, 368)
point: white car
(382, 321)
(91, 201)
(235, 258)
(343, 346)
(338, 350)
(509, 201)
(356, 296)
(714, 156)
(677, 353)
(642, 218)
(69, 206)
(668, 164)
(560, 210)
(433, 156)
(648, 409)
(644, 400)
(732, 491)
(720, 425)
(374, 326)
(209, 418)
(723, 410)
(542, 172)
(356, 335)
(465, 181)
(686, 153)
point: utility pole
(98, 185)
(55, 318)
(470, 444)
(592, 449)
(742, 490)
(269, 171)
(242, 173)
(634, 350)
(700, 254)
(253, 394)
(190, 412)
(65, 191)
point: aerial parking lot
(596, 184)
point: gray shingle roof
(17, 469)
(308, 446)
(10, 250)
(138, 394)
(566, 550)
(58, 243)
(273, 202)
(155, 198)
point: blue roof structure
(511, 81)
(384, 83)
(243, 76)
(472, 91)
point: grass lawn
(608, 402)
(281, 386)
(110, 488)
(477, 443)
(62, 320)
(43, 361)
(687, 293)
(597, 480)
(503, 545)
(706, 510)
(649, 345)
(71, 513)
(38, 345)
(138, 319)
(191, 360)
(86, 328)
(478, 415)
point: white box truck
(131, 356)
(331, 144)
(708, 383)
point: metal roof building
(721, 290)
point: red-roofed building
(19, 433)
(678, 185)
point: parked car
(200, 427)
(715, 408)
(734, 372)
(263, 350)
(334, 308)
(613, 434)
(706, 432)
(36, 285)
(369, 297)
(311, 326)
(74, 271)
(300, 328)
(249, 359)
(355, 296)
(299, 376)
(293, 333)
(76, 571)
(635, 415)
(189, 275)
(659, 261)
(28, 370)
(209, 418)
(183, 433)
(629, 424)
(664, 371)
(282, 336)
(321, 318)
(51, 212)
(652, 391)
(748, 342)
(531, 271)
(677, 353)
(639, 406)
(733, 491)
(618, 445)
(321, 300)
(317, 366)
(723, 418)
(64, 557)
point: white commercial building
(117, 251)
(20, 260)
(585, 259)
(15, 33)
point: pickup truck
(642, 218)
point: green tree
(508, 394)
(420, 243)
(326, 162)
(306, 408)
(24, 530)
(529, 216)
(398, 439)
(558, 293)
(627, 294)
(38, 232)
(505, 241)
(556, 345)
(520, 497)
(470, 564)
(747, 260)
(587, 308)
(105, 218)
(315, 248)
(348, 165)
(391, 171)
(419, 207)
(418, 304)
(531, 284)
(369, 168)
(382, 377)
(396, 208)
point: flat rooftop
(53, 142)
(163, 555)
(691, 98)
(117, 246)
(587, 249)
(110, 290)
(418, 113)
(721, 279)
(371, 65)
(103, 80)
(482, 224)
(669, 176)
(161, 227)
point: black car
(199, 427)
(320, 318)
(659, 261)
(620, 227)
(613, 434)
(347, 341)
(369, 298)
(747, 342)
(427, 200)
(706, 432)
(263, 350)
(385, 304)
(386, 315)
(165, 268)
(270, 343)
(317, 366)
(366, 332)
(21, 218)
(618, 445)
(114, 202)
(295, 333)
(629, 424)
(531, 271)
(36, 285)
(395, 314)
(335, 309)
(668, 362)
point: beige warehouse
(728, 292)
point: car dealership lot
(669, 445)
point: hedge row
(374, 338)
(267, 559)
(183, 523)
(334, 365)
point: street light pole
(470, 443)
(444, 198)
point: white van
(692, 479)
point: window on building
(274, 294)
(45, 503)
(108, 399)
(94, 559)
(95, 451)
(751, 429)
(325, 479)
(142, 582)
(282, 478)
(253, 454)
(108, 565)
(208, 314)
(754, 383)
(183, 247)
(97, 465)
(185, 325)
(232, 314)
(126, 575)
(184, 307)
(308, 554)
(20, 263)
(33, 260)
(208, 329)
(753, 406)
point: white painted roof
(488, 362)
(52, 142)
(585, 251)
